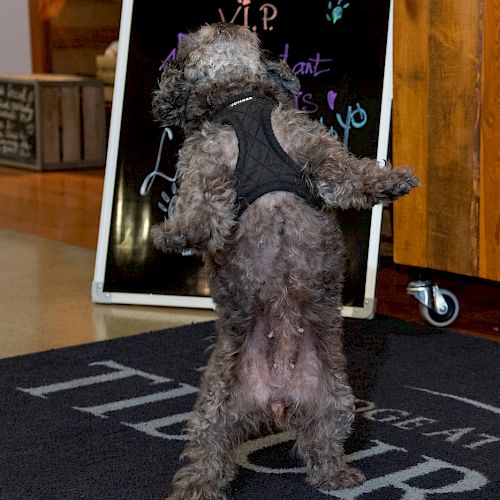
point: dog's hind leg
(321, 433)
(215, 430)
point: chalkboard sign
(17, 122)
(338, 50)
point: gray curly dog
(274, 264)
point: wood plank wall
(446, 125)
(489, 228)
(410, 117)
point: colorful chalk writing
(173, 53)
(354, 118)
(267, 12)
(351, 120)
(303, 102)
(167, 203)
(330, 98)
(314, 66)
(335, 13)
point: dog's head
(217, 56)
(219, 52)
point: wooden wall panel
(410, 117)
(453, 131)
(437, 110)
(40, 57)
(489, 241)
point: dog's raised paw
(164, 238)
(404, 181)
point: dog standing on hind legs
(261, 218)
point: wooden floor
(48, 236)
(62, 206)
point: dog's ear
(281, 75)
(169, 101)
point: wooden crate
(52, 122)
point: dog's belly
(285, 272)
(278, 369)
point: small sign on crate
(52, 122)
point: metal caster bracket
(429, 295)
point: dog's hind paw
(346, 477)
(196, 494)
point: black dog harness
(262, 166)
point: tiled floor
(45, 299)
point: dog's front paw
(346, 477)
(401, 181)
(166, 239)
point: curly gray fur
(275, 274)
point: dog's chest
(262, 166)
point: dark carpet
(105, 420)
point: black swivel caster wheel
(437, 318)
(439, 307)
